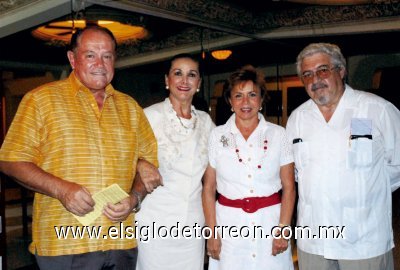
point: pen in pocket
(297, 140)
(353, 137)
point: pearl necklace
(237, 151)
(194, 123)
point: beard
(320, 98)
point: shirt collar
(345, 99)
(170, 109)
(77, 86)
(234, 129)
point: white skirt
(170, 254)
(250, 251)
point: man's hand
(120, 211)
(76, 198)
(149, 175)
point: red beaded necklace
(265, 147)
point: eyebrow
(179, 69)
(324, 65)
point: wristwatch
(139, 201)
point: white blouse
(258, 174)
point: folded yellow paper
(112, 194)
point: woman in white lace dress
(182, 134)
(250, 161)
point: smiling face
(93, 60)
(246, 100)
(326, 88)
(183, 80)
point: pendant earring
(167, 87)
(197, 90)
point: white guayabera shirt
(346, 170)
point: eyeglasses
(322, 72)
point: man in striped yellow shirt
(71, 139)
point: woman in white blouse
(182, 134)
(250, 161)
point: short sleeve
(391, 132)
(25, 134)
(146, 140)
(212, 151)
(286, 149)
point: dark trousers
(99, 260)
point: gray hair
(332, 50)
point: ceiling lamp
(127, 27)
(221, 54)
(60, 32)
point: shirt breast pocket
(360, 153)
(301, 154)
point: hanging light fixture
(61, 31)
(126, 27)
(221, 54)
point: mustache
(317, 86)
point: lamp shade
(61, 31)
(221, 54)
(124, 26)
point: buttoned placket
(95, 126)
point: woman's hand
(214, 247)
(279, 245)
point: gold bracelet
(281, 225)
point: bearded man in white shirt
(346, 147)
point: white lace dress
(183, 157)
